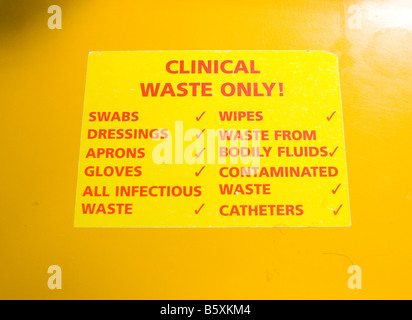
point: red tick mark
(197, 211)
(330, 118)
(198, 155)
(198, 173)
(336, 212)
(334, 191)
(200, 134)
(200, 117)
(331, 154)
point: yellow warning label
(212, 139)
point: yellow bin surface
(43, 74)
